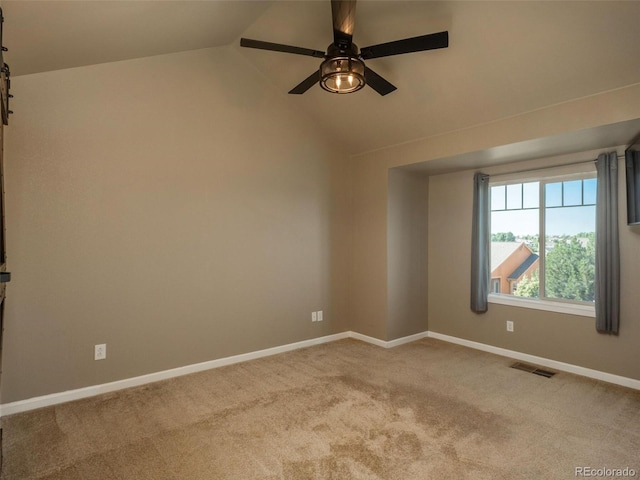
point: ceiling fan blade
(306, 84)
(344, 16)
(431, 41)
(378, 83)
(277, 47)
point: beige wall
(182, 212)
(479, 146)
(408, 213)
(177, 211)
(566, 338)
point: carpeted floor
(344, 410)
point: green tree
(529, 286)
(570, 269)
(532, 242)
(503, 237)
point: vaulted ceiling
(504, 58)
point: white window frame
(583, 170)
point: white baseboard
(77, 394)
(543, 362)
(390, 344)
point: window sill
(559, 307)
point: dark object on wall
(632, 160)
(343, 69)
(5, 79)
(4, 275)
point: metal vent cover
(525, 367)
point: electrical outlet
(320, 316)
(314, 316)
(509, 326)
(100, 352)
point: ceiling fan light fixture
(342, 74)
(343, 70)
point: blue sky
(567, 221)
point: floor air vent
(525, 367)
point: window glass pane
(553, 194)
(570, 253)
(531, 195)
(497, 198)
(514, 251)
(568, 245)
(570, 220)
(590, 189)
(514, 196)
(572, 194)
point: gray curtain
(480, 244)
(607, 245)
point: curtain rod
(581, 162)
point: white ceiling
(504, 58)
(44, 35)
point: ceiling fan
(343, 69)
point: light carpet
(343, 410)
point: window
(495, 285)
(543, 235)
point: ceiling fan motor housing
(343, 70)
